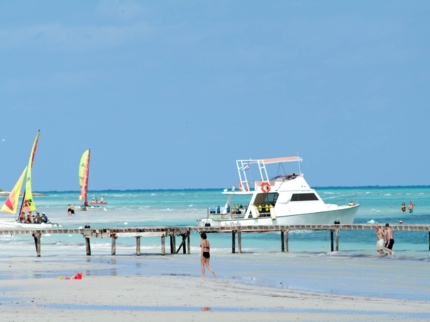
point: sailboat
(27, 203)
(84, 170)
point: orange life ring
(265, 186)
(241, 188)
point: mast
(88, 175)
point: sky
(169, 94)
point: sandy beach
(31, 289)
(186, 299)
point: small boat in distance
(84, 171)
(32, 220)
(285, 199)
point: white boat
(285, 199)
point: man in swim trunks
(389, 239)
(411, 207)
(380, 240)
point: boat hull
(91, 207)
(17, 225)
(344, 215)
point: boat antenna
(300, 163)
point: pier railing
(185, 231)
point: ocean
(356, 267)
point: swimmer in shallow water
(411, 207)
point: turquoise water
(183, 207)
(356, 269)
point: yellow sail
(28, 195)
(11, 202)
(83, 175)
(28, 201)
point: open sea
(356, 269)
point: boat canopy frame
(243, 165)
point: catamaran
(27, 203)
(84, 171)
(285, 199)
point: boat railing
(342, 200)
(225, 212)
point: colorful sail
(11, 202)
(84, 167)
(28, 203)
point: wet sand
(175, 298)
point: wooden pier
(185, 232)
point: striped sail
(84, 166)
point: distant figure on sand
(205, 254)
(403, 207)
(411, 207)
(389, 239)
(379, 240)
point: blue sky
(168, 94)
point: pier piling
(331, 240)
(233, 241)
(182, 245)
(174, 244)
(337, 240)
(163, 244)
(282, 241)
(88, 246)
(239, 240)
(188, 243)
(37, 242)
(138, 245)
(113, 247)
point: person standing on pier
(380, 240)
(205, 254)
(389, 239)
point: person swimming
(403, 207)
